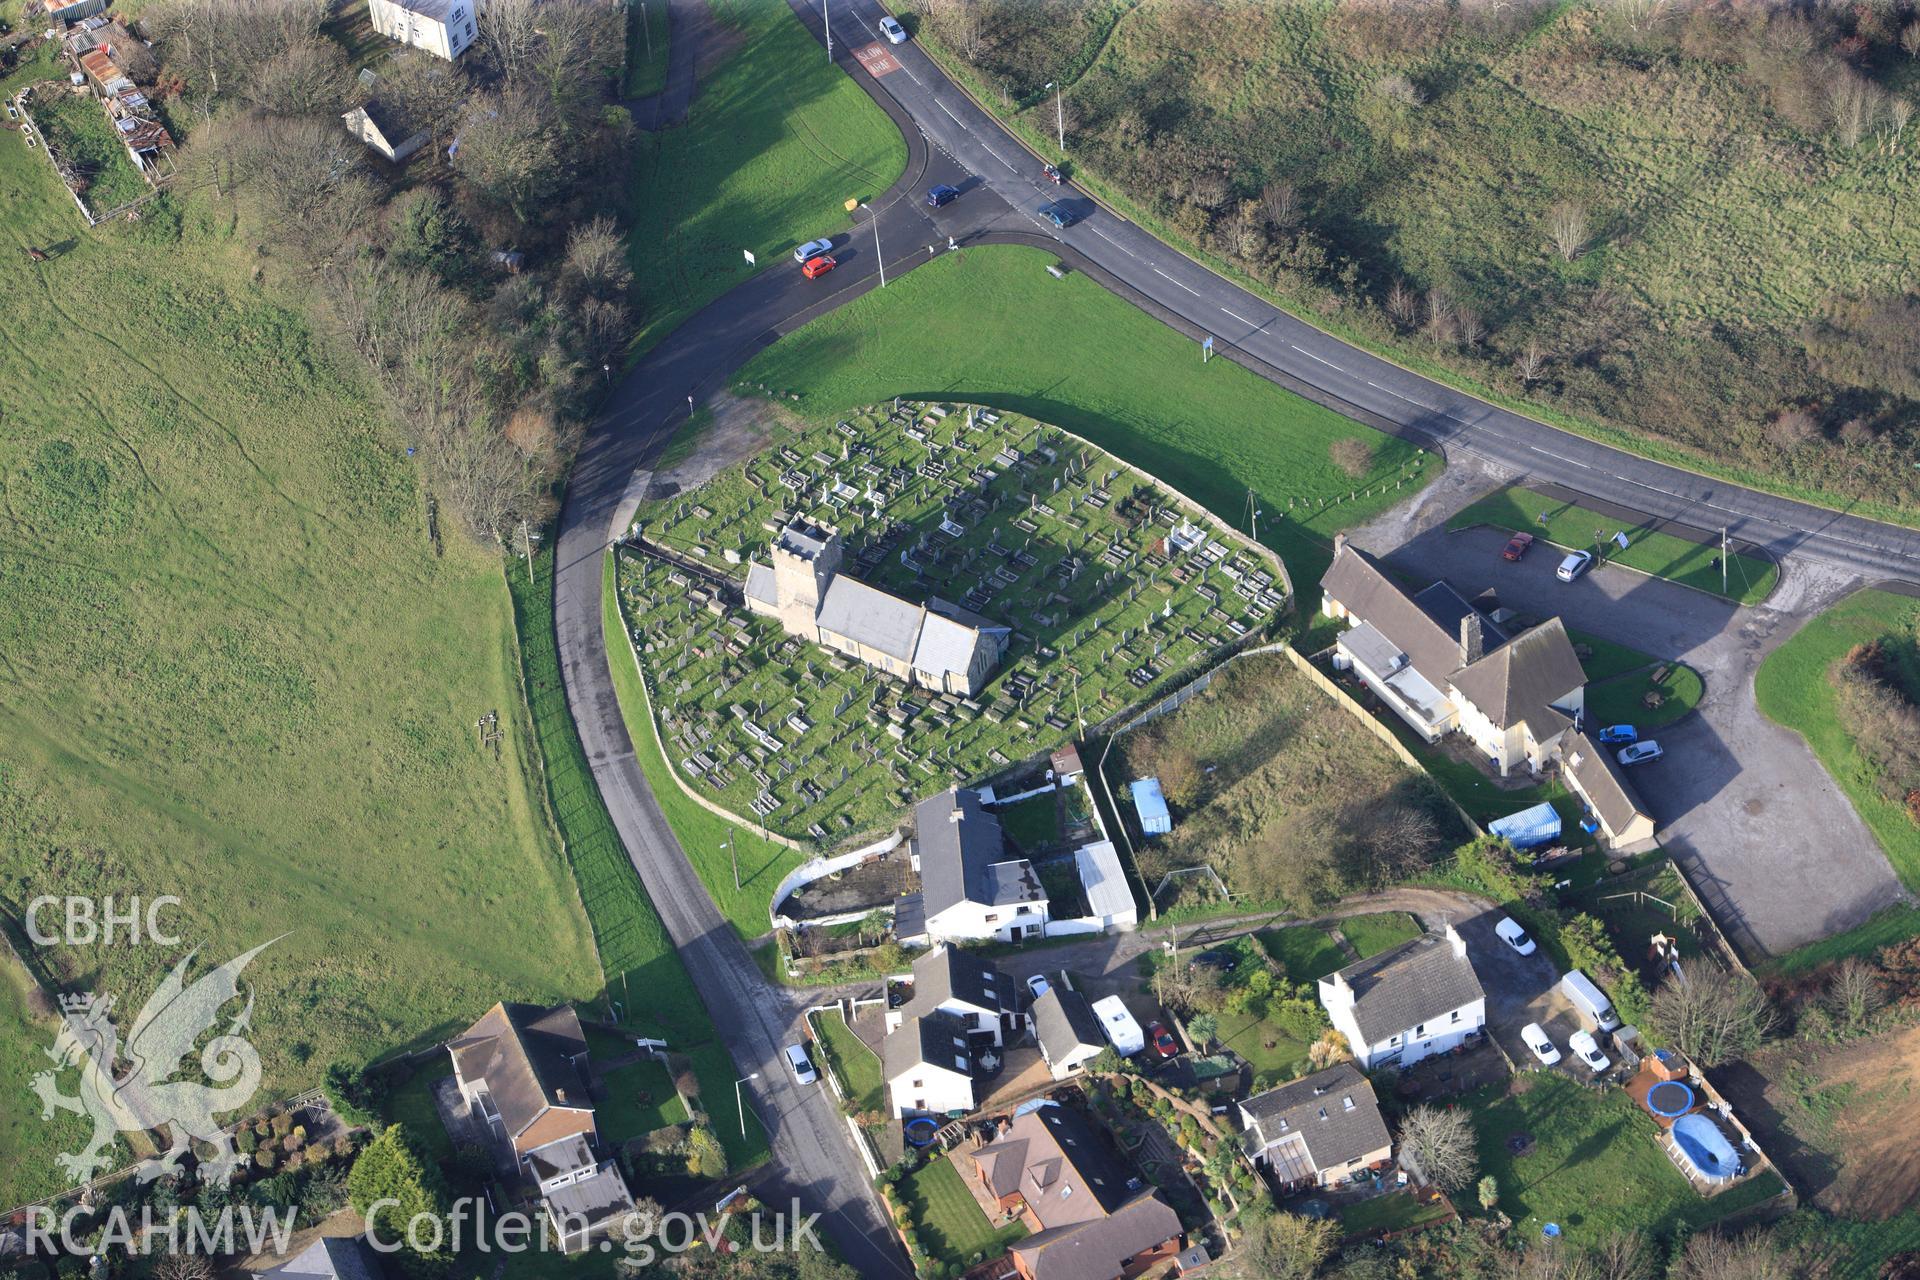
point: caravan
(1122, 1031)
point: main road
(952, 140)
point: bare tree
(1855, 104)
(1899, 115)
(304, 175)
(512, 152)
(214, 44)
(1621, 1255)
(426, 91)
(1567, 226)
(1440, 1141)
(510, 34)
(308, 77)
(1854, 994)
(1396, 87)
(1753, 1256)
(1284, 1246)
(1531, 363)
(580, 48)
(1791, 428)
(1352, 455)
(960, 23)
(597, 265)
(183, 1266)
(1280, 201)
(1403, 304)
(1442, 313)
(1712, 1022)
(1472, 328)
(1910, 38)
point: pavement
(1772, 846)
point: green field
(1749, 578)
(1794, 687)
(949, 1221)
(28, 1171)
(1063, 546)
(1372, 934)
(210, 689)
(1593, 1166)
(989, 326)
(857, 1065)
(1724, 216)
(777, 141)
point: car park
(1537, 1042)
(802, 1065)
(1517, 546)
(1641, 753)
(812, 249)
(1037, 985)
(817, 267)
(1587, 1049)
(1059, 215)
(1513, 935)
(942, 194)
(893, 31)
(1618, 735)
(1574, 565)
(1162, 1040)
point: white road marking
(1164, 276)
(1115, 243)
(949, 110)
(1430, 408)
(996, 155)
(1309, 355)
(1242, 319)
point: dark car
(1059, 215)
(1223, 961)
(1162, 1040)
(1517, 546)
(942, 194)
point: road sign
(750, 257)
(1206, 349)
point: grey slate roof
(909, 917)
(1063, 1021)
(1315, 1108)
(565, 1156)
(870, 616)
(965, 860)
(1426, 627)
(1407, 985)
(1602, 782)
(931, 1039)
(760, 582)
(1098, 1248)
(525, 1054)
(435, 9)
(947, 974)
(946, 646)
(328, 1258)
(591, 1201)
(1520, 680)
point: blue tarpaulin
(1528, 828)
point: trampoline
(919, 1131)
(1706, 1149)
(1670, 1098)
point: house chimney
(1339, 544)
(1453, 936)
(1473, 639)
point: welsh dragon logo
(139, 1093)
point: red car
(1517, 546)
(1163, 1042)
(817, 267)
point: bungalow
(522, 1069)
(1592, 774)
(928, 1062)
(1090, 1219)
(1318, 1129)
(969, 887)
(1407, 1003)
(1068, 1031)
(1444, 667)
(951, 981)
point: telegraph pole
(526, 547)
(1723, 559)
(734, 854)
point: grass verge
(857, 1066)
(647, 43)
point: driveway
(1768, 840)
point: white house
(1407, 1003)
(969, 886)
(1444, 667)
(1317, 1130)
(443, 28)
(949, 981)
(928, 1061)
(1068, 1031)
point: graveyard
(1114, 590)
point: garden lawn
(647, 43)
(989, 325)
(77, 128)
(1594, 1167)
(637, 1099)
(1794, 687)
(238, 670)
(1307, 952)
(1372, 934)
(1622, 700)
(1395, 1211)
(1750, 579)
(857, 1066)
(1605, 659)
(410, 1105)
(778, 139)
(1273, 1035)
(950, 1223)
(1033, 824)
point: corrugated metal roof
(1103, 879)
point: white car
(1038, 985)
(1587, 1049)
(893, 31)
(802, 1065)
(812, 249)
(1536, 1038)
(1514, 936)
(1573, 566)
(1641, 753)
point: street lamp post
(740, 1106)
(1059, 115)
(875, 215)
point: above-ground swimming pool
(1705, 1149)
(1670, 1098)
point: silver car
(812, 249)
(802, 1065)
(893, 31)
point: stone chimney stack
(1473, 639)
(1453, 936)
(1339, 544)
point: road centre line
(1164, 276)
(1309, 355)
(1110, 240)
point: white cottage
(1407, 1003)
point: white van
(1589, 999)
(1122, 1031)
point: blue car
(1060, 216)
(942, 194)
(1618, 735)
